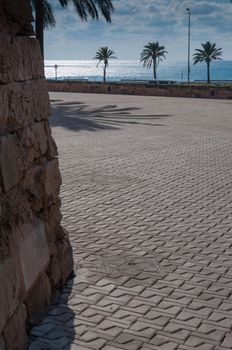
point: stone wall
(35, 254)
(223, 92)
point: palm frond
(104, 54)
(49, 18)
(64, 3)
(208, 53)
(152, 53)
(106, 7)
(89, 8)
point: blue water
(130, 70)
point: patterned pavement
(147, 201)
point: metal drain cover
(125, 263)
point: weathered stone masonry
(35, 254)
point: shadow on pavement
(77, 116)
(57, 331)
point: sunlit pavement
(147, 201)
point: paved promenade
(147, 200)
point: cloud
(136, 22)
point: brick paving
(147, 201)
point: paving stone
(220, 319)
(176, 331)
(109, 347)
(211, 332)
(57, 333)
(76, 347)
(169, 308)
(42, 329)
(227, 341)
(162, 288)
(211, 300)
(180, 298)
(164, 343)
(92, 315)
(109, 328)
(199, 343)
(137, 306)
(200, 308)
(107, 305)
(121, 296)
(125, 316)
(53, 344)
(128, 342)
(143, 329)
(93, 340)
(38, 345)
(157, 317)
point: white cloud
(136, 22)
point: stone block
(65, 256)
(33, 140)
(33, 190)
(8, 164)
(32, 250)
(3, 23)
(38, 298)
(12, 289)
(54, 230)
(20, 59)
(2, 343)
(41, 139)
(18, 17)
(31, 147)
(14, 207)
(40, 104)
(55, 271)
(52, 148)
(51, 180)
(40, 204)
(21, 104)
(15, 331)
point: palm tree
(104, 54)
(152, 54)
(207, 54)
(44, 16)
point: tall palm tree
(207, 54)
(103, 55)
(44, 15)
(152, 55)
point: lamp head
(187, 9)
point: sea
(120, 70)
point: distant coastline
(133, 70)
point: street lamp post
(56, 67)
(189, 23)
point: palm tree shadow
(77, 116)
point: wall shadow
(77, 116)
(57, 331)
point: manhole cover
(125, 263)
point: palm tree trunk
(154, 68)
(208, 72)
(104, 74)
(39, 24)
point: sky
(137, 22)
